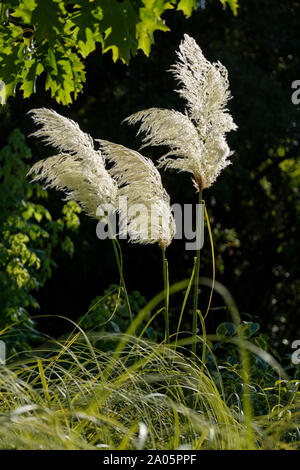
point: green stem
(184, 302)
(118, 257)
(197, 271)
(166, 294)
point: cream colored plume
(197, 138)
(147, 217)
(78, 170)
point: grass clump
(72, 395)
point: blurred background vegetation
(51, 260)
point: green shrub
(28, 235)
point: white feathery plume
(197, 138)
(79, 170)
(148, 217)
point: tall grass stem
(119, 260)
(166, 295)
(197, 271)
(116, 248)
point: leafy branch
(54, 37)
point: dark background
(253, 206)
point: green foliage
(187, 6)
(79, 397)
(150, 20)
(109, 312)
(54, 36)
(226, 242)
(28, 235)
(269, 395)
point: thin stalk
(166, 295)
(184, 303)
(213, 261)
(197, 271)
(118, 256)
(120, 268)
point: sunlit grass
(72, 395)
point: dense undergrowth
(106, 390)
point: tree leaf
(11, 66)
(24, 10)
(187, 6)
(31, 70)
(65, 75)
(84, 26)
(47, 20)
(119, 28)
(150, 21)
